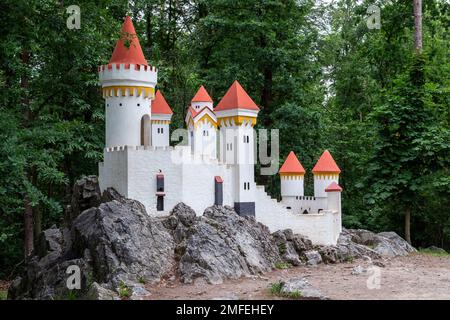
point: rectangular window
(162, 130)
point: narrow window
(248, 139)
(158, 130)
(162, 130)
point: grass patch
(282, 265)
(142, 280)
(349, 259)
(282, 248)
(124, 291)
(3, 294)
(275, 290)
(434, 253)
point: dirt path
(417, 276)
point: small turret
(201, 123)
(325, 172)
(292, 176)
(161, 117)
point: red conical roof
(292, 165)
(326, 163)
(333, 187)
(128, 48)
(160, 105)
(236, 97)
(202, 96)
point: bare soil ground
(417, 276)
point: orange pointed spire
(292, 165)
(128, 48)
(333, 187)
(202, 96)
(160, 105)
(326, 164)
(236, 98)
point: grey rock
(302, 287)
(128, 244)
(358, 270)
(313, 257)
(222, 244)
(98, 292)
(284, 239)
(138, 292)
(85, 194)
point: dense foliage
(319, 74)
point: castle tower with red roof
(236, 114)
(160, 119)
(201, 122)
(325, 173)
(128, 85)
(292, 176)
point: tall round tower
(128, 85)
(236, 115)
(292, 176)
(325, 173)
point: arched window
(145, 130)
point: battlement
(137, 148)
(117, 74)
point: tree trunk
(408, 225)
(149, 28)
(418, 25)
(28, 227)
(28, 216)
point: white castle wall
(132, 171)
(113, 170)
(299, 204)
(123, 122)
(321, 228)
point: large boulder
(128, 245)
(221, 244)
(387, 244)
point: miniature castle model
(215, 166)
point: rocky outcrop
(118, 247)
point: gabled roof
(236, 98)
(128, 48)
(202, 96)
(160, 105)
(292, 165)
(198, 115)
(326, 163)
(333, 187)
